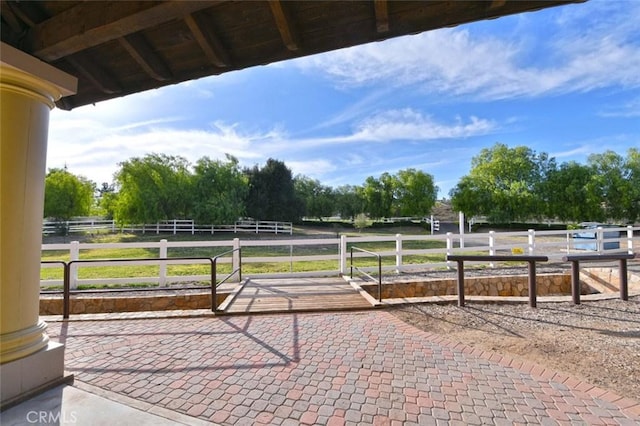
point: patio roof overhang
(116, 48)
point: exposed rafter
(94, 73)
(146, 57)
(284, 23)
(61, 35)
(382, 15)
(497, 3)
(208, 41)
(10, 17)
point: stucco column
(28, 89)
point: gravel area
(597, 341)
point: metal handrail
(66, 292)
(379, 256)
(214, 269)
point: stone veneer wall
(607, 280)
(501, 285)
(52, 305)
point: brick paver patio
(329, 368)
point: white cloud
(625, 110)
(596, 49)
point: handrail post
(532, 284)
(214, 295)
(66, 290)
(624, 289)
(235, 256)
(460, 282)
(351, 259)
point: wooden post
(460, 283)
(575, 282)
(532, 284)
(624, 288)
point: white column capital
(26, 74)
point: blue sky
(565, 81)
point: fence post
(342, 251)
(599, 240)
(531, 241)
(235, 258)
(398, 253)
(492, 245)
(74, 254)
(193, 228)
(162, 274)
(257, 227)
(449, 247)
(174, 227)
(461, 228)
(630, 239)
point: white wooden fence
(554, 244)
(169, 227)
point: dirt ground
(598, 342)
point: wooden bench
(575, 260)
(531, 260)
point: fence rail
(553, 244)
(174, 227)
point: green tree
(415, 193)
(319, 200)
(503, 184)
(349, 201)
(272, 194)
(219, 191)
(568, 194)
(632, 174)
(153, 188)
(67, 195)
(378, 196)
(107, 198)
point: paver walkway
(330, 368)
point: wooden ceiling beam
(284, 23)
(382, 15)
(208, 41)
(90, 24)
(95, 74)
(142, 52)
(10, 17)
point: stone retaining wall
(607, 280)
(502, 285)
(52, 305)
